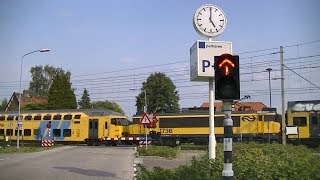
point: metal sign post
(227, 172)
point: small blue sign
(202, 44)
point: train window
(76, 122)
(299, 121)
(114, 121)
(37, 117)
(1, 131)
(2, 118)
(47, 117)
(56, 132)
(67, 133)
(106, 125)
(27, 132)
(185, 122)
(10, 118)
(96, 125)
(314, 120)
(36, 132)
(67, 117)
(17, 118)
(136, 120)
(218, 121)
(27, 117)
(77, 116)
(57, 117)
(236, 121)
(16, 132)
(269, 117)
(90, 125)
(9, 132)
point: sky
(111, 47)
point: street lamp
(19, 103)
(269, 69)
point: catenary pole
(283, 122)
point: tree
(61, 95)
(3, 105)
(42, 79)
(85, 103)
(161, 95)
(108, 105)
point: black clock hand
(210, 18)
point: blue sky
(105, 43)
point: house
(26, 98)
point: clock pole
(212, 137)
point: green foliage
(3, 104)
(250, 161)
(161, 95)
(108, 105)
(35, 107)
(61, 95)
(162, 151)
(42, 78)
(25, 149)
(85, 103)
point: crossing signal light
(227, 81)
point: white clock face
(209, 20)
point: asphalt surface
(68, 163)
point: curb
(136, 162)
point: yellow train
(172, 129)
(305, 117)
(92, 126)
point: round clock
(209, 20)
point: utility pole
(283, 129)
(145, 110)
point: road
(69, 162)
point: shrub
(162, 151)
(250, 161)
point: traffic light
(227, 81)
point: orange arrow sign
(226, 62)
